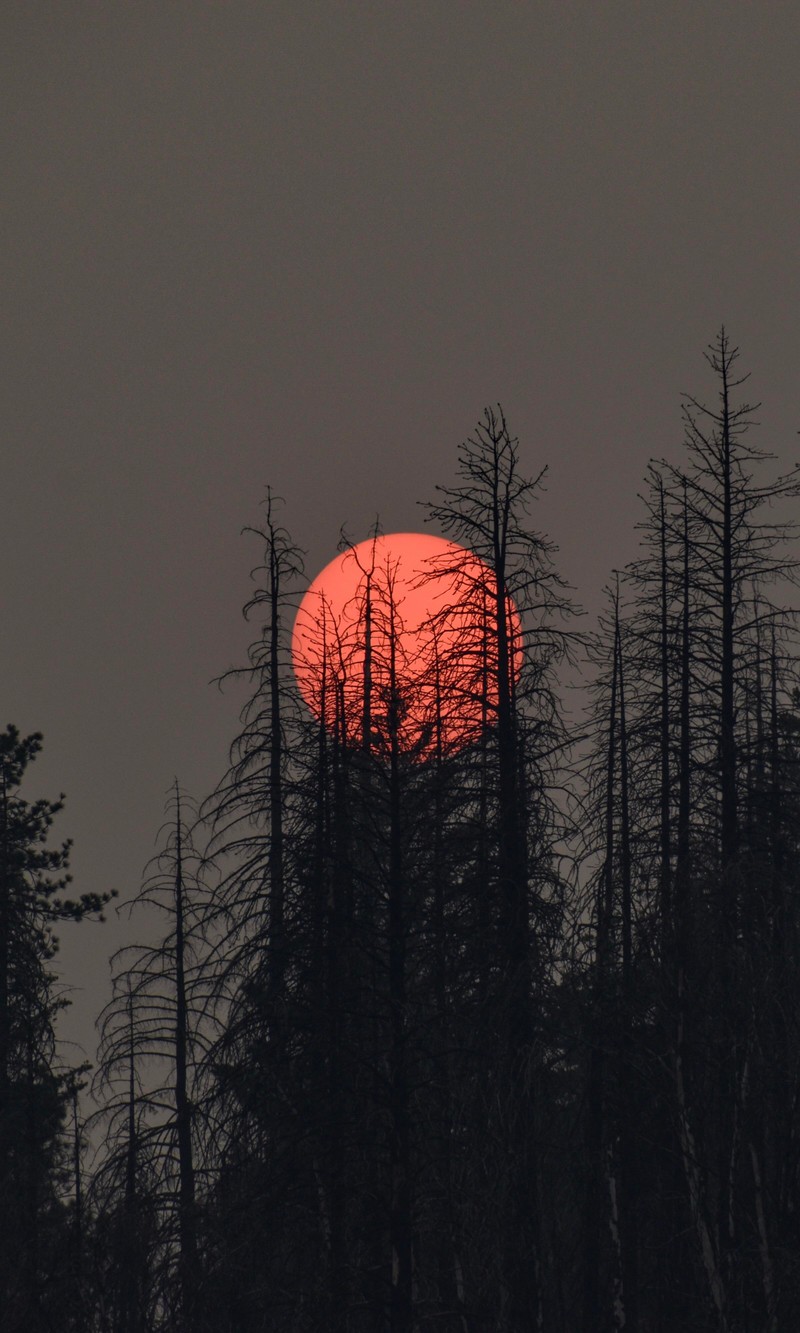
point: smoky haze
(304, 245)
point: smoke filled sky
(303, 244)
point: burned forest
(469, 999)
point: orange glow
(427, 610)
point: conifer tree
(33, 877)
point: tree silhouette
(32, 1102)
(151, 1038)
(458, 1033)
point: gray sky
(303, 244)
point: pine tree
(33, 877)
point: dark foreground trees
(694, 796)
(144, 1194)
(381, 1064)
(517, 760)
(462, 1039)
(39, 1264)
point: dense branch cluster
(500, 1035)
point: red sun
(399, 636)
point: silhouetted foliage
(35, 1244)
(497, 1032)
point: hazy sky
(304, 244)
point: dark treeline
(496, 1035)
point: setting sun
(410, 620)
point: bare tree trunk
(593, 1312)
(130, 1260)
(183, 1110)
(708, 1245)
(664, 740)
(5, 1042)
(524, 1277)
(765, 1252)
(628, 1155)
(400, 1220)
(485, 512)
(277, 946)
(450, 1277)
(683, 946)
(338, 1299)
(618, 1303)
(728, 884)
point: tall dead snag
(259, 752)
(663, 763)
(486, 512)
(726, 423)
(336, 921)
(627, 1110)
(252, 924)
(341, 730)
(121, 1192)
(734, 548)
(400, 1220)
(700, 837)
(682, 934)
(187, 1220)
(381, 917)
(443, 967)
(611, 1124)
(594, 1306)
(153, 1022)
(247, 813)
(329, 964)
